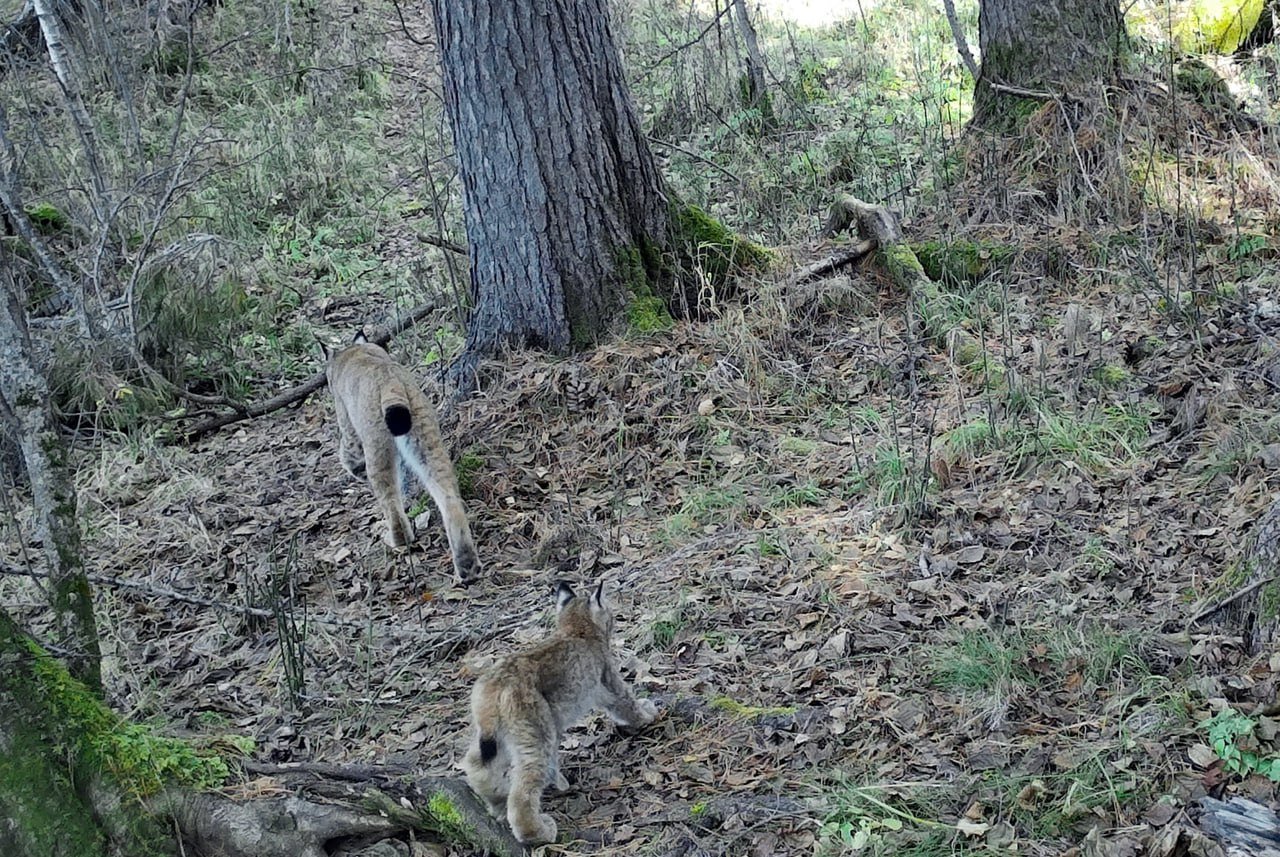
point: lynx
(387, 430)
(522, 706)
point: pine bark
(565, 211)
(1061, 48)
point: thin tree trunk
(11, 200)
(755, 93)
(60, 60)
(957, 33)
(1070, 49)
(565, 211)
(27, 413)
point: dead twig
(1239, 594)
(352, 773)
(443, 244)
(644, 75)
(655, 141)
(174, 595)
(834, 263)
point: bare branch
(957, 32)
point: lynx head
(583, 617)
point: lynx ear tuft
(324, 349)
(360, 337)
(599, 596)
(564, 594)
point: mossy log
(79, 779)
(878, 228)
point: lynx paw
(466, 565)
(543, 831)
(398, 537)
(648, 711)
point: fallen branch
(833, 263)
(301, 392)
(406, 804)
(1233, 598)
(1242, 825)
(174, 595)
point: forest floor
(936, 598)
(932, 615)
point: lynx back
(387, 427)
(521, 707)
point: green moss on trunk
(959, 262)
(83, 751)
(716, 251)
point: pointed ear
(598, 598)
(324, 349)
(359, 337)
(564, 594)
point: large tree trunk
(26, 412)
(1030, 46)
(566, 215)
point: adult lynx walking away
(521, 708)
(387, 426)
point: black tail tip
(488, 749)
(399, 420)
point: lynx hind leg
(382, 466)
(350, 452)
(530, 772)
(352, 457)
(490, 780)
(433, 469)
(531, 741)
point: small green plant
(749, 712)
(1096, 558)
(468, 466)
(797, 445)
(1231, 735)
(663, 631)
(969, 440)
(1111, 376)
(46, 218)
(883, 821)
(769, 546)
(1245, 246)
(703, 507)
(982, 660)
(797, 496)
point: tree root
(877, 228)
(344, 803)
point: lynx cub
(522, 706)
(386, 424)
